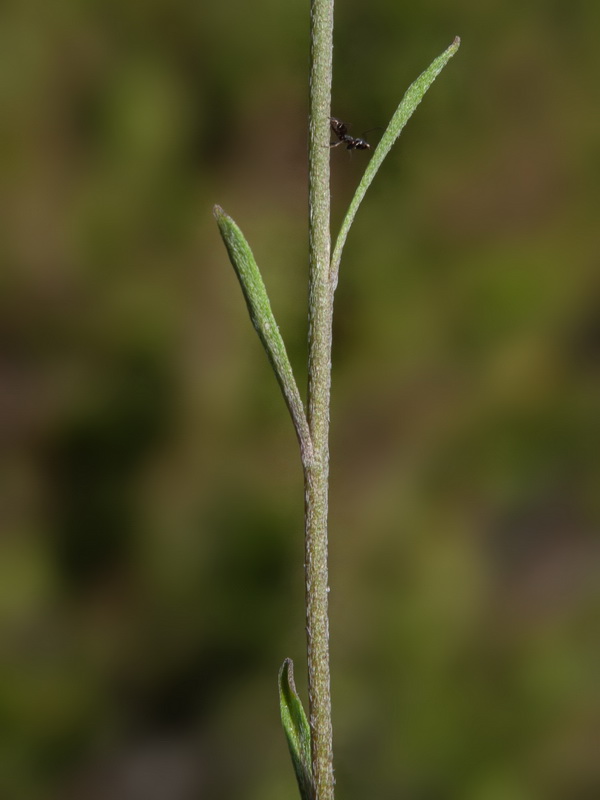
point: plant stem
(316, 470)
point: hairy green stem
(316, 472)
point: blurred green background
(151, 551)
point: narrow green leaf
(405, 110)
(296, 729)
(264, 323)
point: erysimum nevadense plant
(310, 740)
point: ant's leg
(336, 144)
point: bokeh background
(151, 551)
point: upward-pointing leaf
(263, 320)
(413, 96)
(296, 730)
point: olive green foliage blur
(151, 553)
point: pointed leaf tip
(296, 729)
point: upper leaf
(413, 96)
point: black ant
(340, 129)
